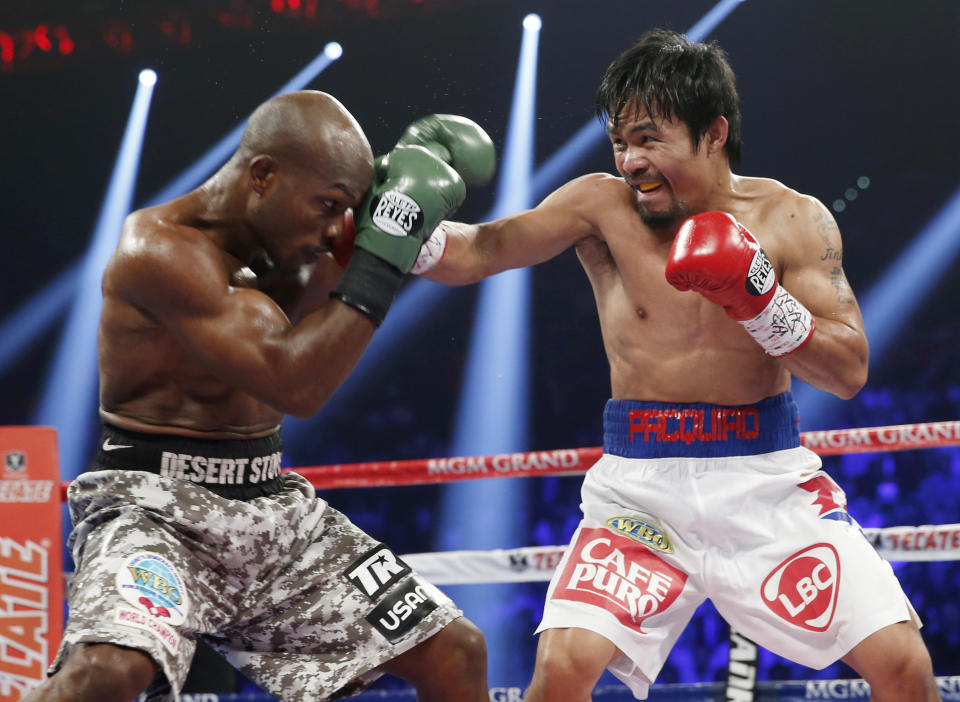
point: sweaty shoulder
(596, 197)
(159, 261)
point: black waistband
(233, 468)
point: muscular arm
(835, 358)
(240, 335)
(300, 292)
(476, 251)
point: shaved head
(309, 129)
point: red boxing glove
(342, 246)
(716, 256)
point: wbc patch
(620, 575)
(153, 586)
(803, 589)
(376, 571)
(403, 609)
(396, 214)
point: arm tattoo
(826, 228)
(833, 254)
(839, 282)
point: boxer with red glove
(716, 256)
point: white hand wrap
(431, 251)
(784, 325)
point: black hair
(672, 77)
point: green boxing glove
(456, 140)
(411, 193)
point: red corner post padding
(31, 567)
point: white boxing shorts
(692, 501)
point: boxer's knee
(466, 648)
(100, 673)
(896, 664)
(569, 664)
(451, 662)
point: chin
(664, 219)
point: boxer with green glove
(415, 186)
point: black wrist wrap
(369, 284)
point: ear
(716, 136)
(262, 169)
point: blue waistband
(664, 430)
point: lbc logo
(803, 589)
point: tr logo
(376, 570)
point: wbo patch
(644, 532)
(153, 586)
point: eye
(327, 205)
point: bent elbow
(852, 383)
(304, 406)
(306, 400)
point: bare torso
(149, 383)
(149, 379)
(672, 346)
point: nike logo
(107, 446)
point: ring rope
(421, 471)
(900, 437)
(537, 563)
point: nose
(635, 162)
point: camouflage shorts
(285, 587)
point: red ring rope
(420, 471)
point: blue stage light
(493, 413)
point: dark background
(830, 92)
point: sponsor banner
(537, 563)
(517, 565)
(31, 580)
(570, 461)
(444, 470)
(938, 542)
(891, 438)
